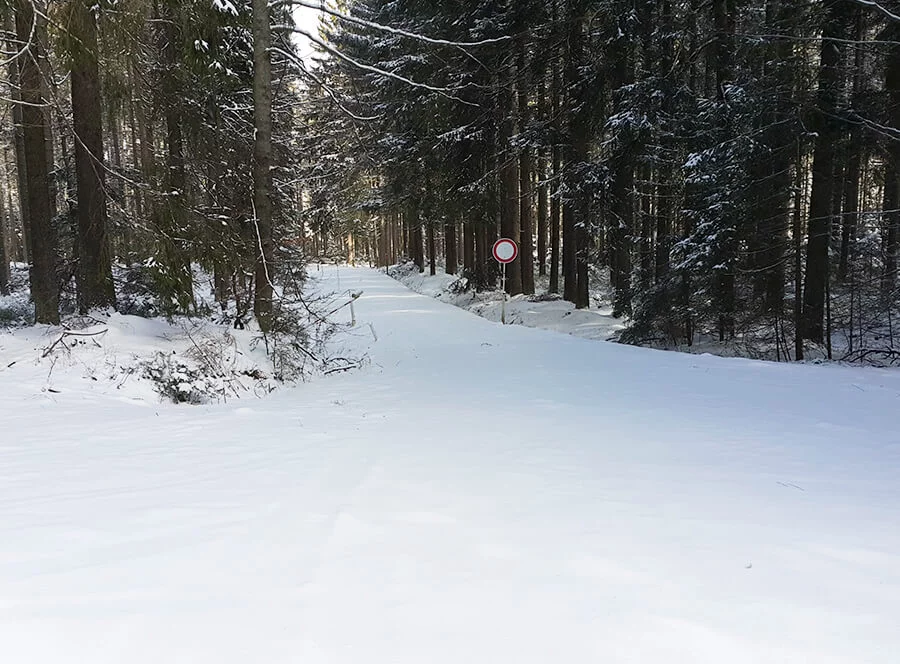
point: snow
(545, 312)
(114, 356)
(476, 493)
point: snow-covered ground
(543, 311)
(476, 493)
(199, 359)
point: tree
(42, 236)
(262, 164)
(892, 166)
(94, 271)
(838, 14)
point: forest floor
(474, 493)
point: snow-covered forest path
(477, 493)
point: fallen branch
(338, 369)
(70, 333)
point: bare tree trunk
(646, 276)
(620, 221)
(4, 255)
(837, 15)
(94, 273)
(891, 223)
(480, 255)
(450, 255)
(397, 248)
(262, 164)
(170, 213)
(543, 187)
(136, 161)
(526, 193)
(798, 255)
(556, 163)
(124, 234)
(664, 204)
(48, 137)
(892, 167)
(44, 284)
(576, 215)
(723, 48)
(469, 232)
(414, 222)
(555, 212)
(19, 139)
(14, 247)
(432, 250)
(509, 184)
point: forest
(718, 169)
(267, 395)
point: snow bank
(194, 360)
(547, 312)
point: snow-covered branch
(322, 84)
(445, 92)
(394, 31)
(878, 7)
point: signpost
(505, 252)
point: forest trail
(476, 493)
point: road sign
(505, 251)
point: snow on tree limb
(327, 88)
(878, 7)
(394, 31)
(445, 92)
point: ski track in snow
(477, 493)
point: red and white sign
(505, 251)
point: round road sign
(505, 250)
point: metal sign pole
(503, 288)
(505, 252)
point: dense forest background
(724, 168)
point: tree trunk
(576, 216)
(170, 213)
(94, 273)
(621, 189)
(646, 275)
(838, 13)
(481, 250)
(892, 167)
(262, 165)
(509, 184)
(48, 136)
(44, 284)
(432, 250)
(556, 162)
(136, 162)
(416, 251)
(771, 170)
(450, 252)
(555, 212)
(797, 232)
(15, 250)
(850, 216)
(543, 189)
(723, 49)
(469, 231)
(4, 254)
(891, 223)
(526, 192)
(19, 139)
